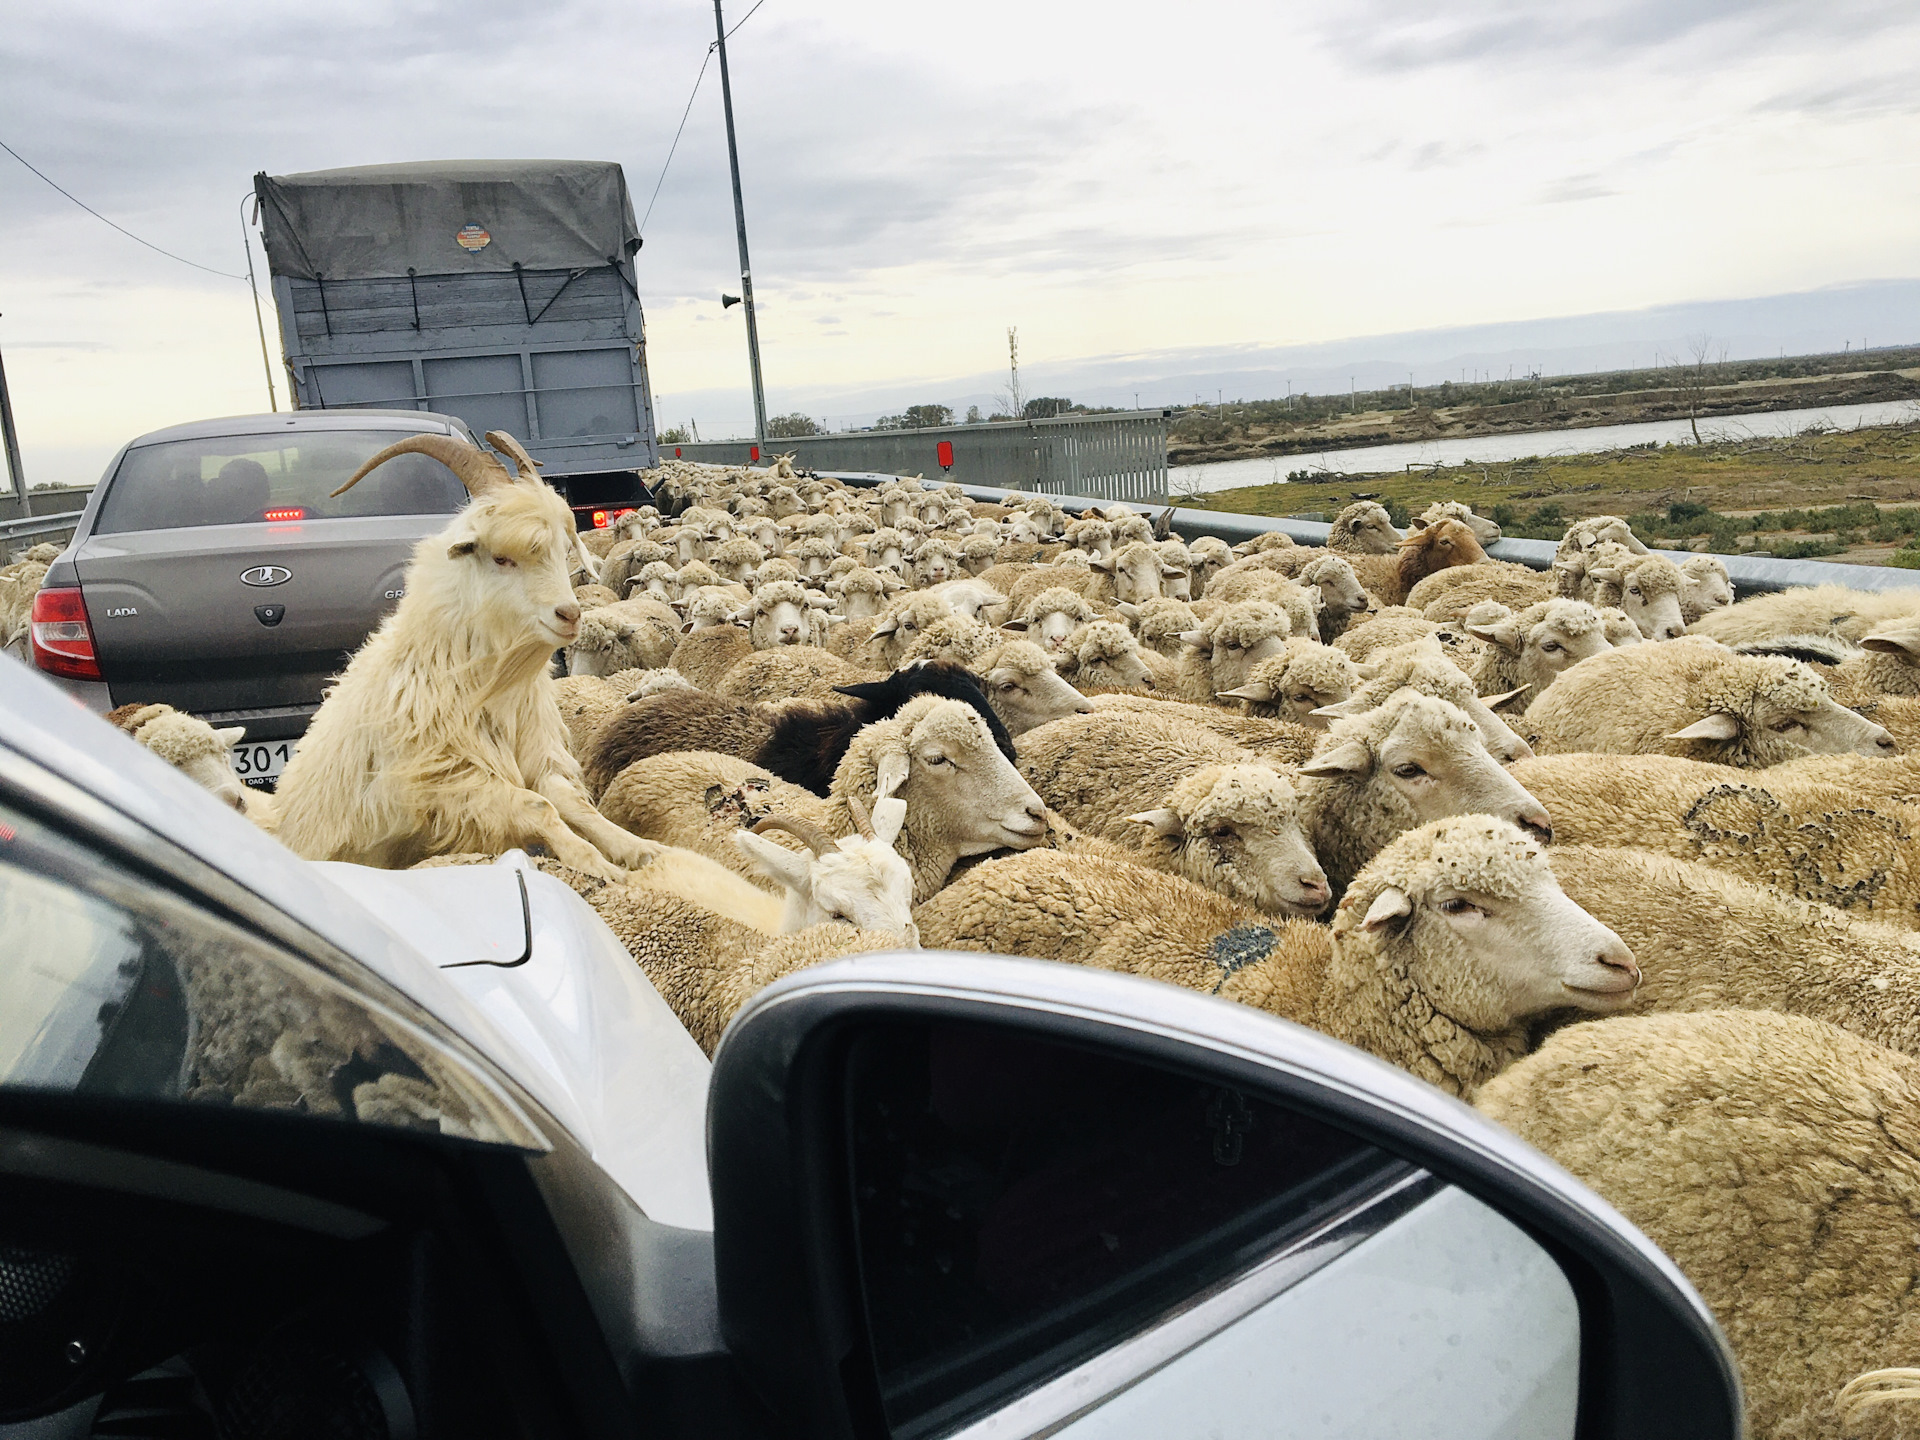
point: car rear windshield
(248, 479)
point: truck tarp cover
(445, 217)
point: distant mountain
(1875, 313)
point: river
(1520, 445)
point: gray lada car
(213, 571)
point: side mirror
(967, 1195)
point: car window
(111, 985)
(1021, 1204)
(250, 479)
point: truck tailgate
(174, 621)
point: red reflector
(599, 519)
(944, 453)
(291, 512)
(756, 452)
(676, 452)
(61, 638)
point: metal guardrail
(1750, 575)
(34, 527)
(1116, 457)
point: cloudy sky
(1118, 181)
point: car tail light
(62, 639)
(599, 519)
(291, 512)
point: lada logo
(266, 575)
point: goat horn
(862, 821)
(476, 469)
(507, 445)
(815, 839)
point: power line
(691, 96)
(121, 228)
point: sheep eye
(1635, 592)
(1007, 687)
(1409, 771)
(1457, 906)
(1552, 647)
(1782, 726)
(1222, 832)
(1306, 700)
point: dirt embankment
(1227, 436)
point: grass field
(1853, 496)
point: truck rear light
(290, 512)
(599, 519)
(62, 639)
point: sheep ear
(1128, 609)
(686, 627)
(232, 735)
(740, 616)
(892, 773)
(1717, 726)
(1199, 639)
(1171, 572)
(886, 627)
(889, 817)
(1340, 709)
(1163, 821)
(1605, 576)
(776, 862)
(1494, 702)
(1388, 906)
(1017, 627)
(1349, 757)
(1419, 522)
(1256, 691)
(1903, 639)
(1502, 633)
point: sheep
(963, 795)
(1707, 940)
(1104, 655)
(899, 627)
(1363, 528)
(1387, 629)
(1158, 624)
(952, 637)
(1221, 654)
(1183, 800)
(1178, 560)
(1342, 596)
(973, 600)
(1137, 573)
(1025, 689)
(1887, 663)
(1484, 530)
(935, 562)
(1704, 587)
(1831, 610)
(1621, 631)
(592, 596)
(1050, 616)
(736, 559)
(1094, 536)
(1210, 555)
(586, 700)
(19, 583)
(776, 616)
(1249, 580)
(1773, 1157)
(1571, 557)
(705, 655)
(885, 549)
(1646, 587)
(1263, 542)
(1296, 684)
(1529, 651)
(443, 733)
(1799, 834)
(1697, 699)
(1440, 546)
(1447, 595)
(1445, 947)
(1426, 669)
(196, 749)
(978, 553)
(636, 634)
(1413, 760)
(658, 579)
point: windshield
(247, 479)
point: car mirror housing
(969, 1195)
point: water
(1521, 445)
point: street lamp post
(740, 223)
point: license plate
(259, 765)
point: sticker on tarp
(472, 237)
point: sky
(1152, 195)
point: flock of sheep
(1626, 864)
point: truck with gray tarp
(500, 292)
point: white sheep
(1297, 684)
(1530, 650)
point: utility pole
(11, 437)
(740, 223)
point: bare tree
(1694, 375)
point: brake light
(292, 512)
(62, 640)
(599, 519)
